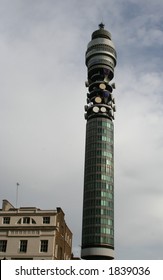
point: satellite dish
(103, 109)
(106, 79)
(113, 85)
(95, 109)
(102, 86)
(86, 108)
(98, 99)
(111, 113)
(114, 108)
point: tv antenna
(17, 193)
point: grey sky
(42, 128)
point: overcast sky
(42, 126)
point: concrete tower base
(97, 253)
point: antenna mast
(17, 192)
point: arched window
(26, 220)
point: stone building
(29, 233)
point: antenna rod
(17, 189)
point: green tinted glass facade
(98, 203)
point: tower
(98, 199)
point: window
(107, 240)
(19, 222)
(60, 257)
(46, 220)
(33, 221)
(44, 246)
(3, 245)
(26, 220)
(6, 220)
(23, 246)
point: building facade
(32, 234)
(98, 200)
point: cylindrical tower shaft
(98, 200)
